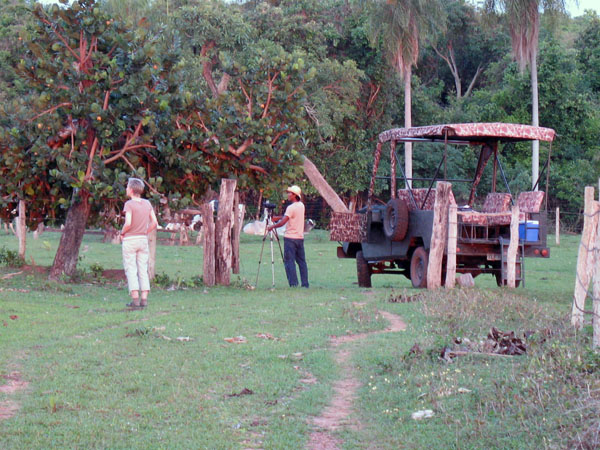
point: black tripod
(272, 236)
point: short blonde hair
(136, 185)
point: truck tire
(395, 220)
(501, 282)
(418, 268)
(363, 270)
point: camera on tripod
(270, 207)
(272, 235)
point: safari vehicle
(395, 237)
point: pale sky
(582, 6)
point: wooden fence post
(152, 256)
(451, 253)
(582, 276)
(438, 235)
(208, 226)
(557, 227)
(238, 220)
(596, 291)
(513, 247)
(223, 251)
(22, 229)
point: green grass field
(101, 377)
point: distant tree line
(184, 93)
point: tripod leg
(280, 251)
(260, 258)
(272, 261)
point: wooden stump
(238, 221)
(22, 229)
(557, 227)
(208, 225)
(451, 253)
(223, 252)
(513, 248)
(438, 235)
(183, 235)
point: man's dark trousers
(293, 252)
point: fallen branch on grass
(453, 353)
(10, 275)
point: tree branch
(472, 83)
(269, 95)
(126, 147)
(62, 39)
(237, 152)
(207, 68)
(54, 108)
(248, 98)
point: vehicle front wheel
(418, 268)
(363, 270)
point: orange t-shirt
(295, 225)
(140, 216)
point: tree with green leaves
(401, 26)
(100, 101)
(524, 24)
(107, 102)
(467, 44)
(588, 50)
(246, 95)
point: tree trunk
(326, 191)
(65, 261)
(22, 229)
(535, 121)
(208, 227)
(223, 251)
(408, 123)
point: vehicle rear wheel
(501, 282)
(363, 270)
(395, 219)
(418, 268)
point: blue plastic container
(529, 231)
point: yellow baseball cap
(295, 190)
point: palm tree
(400, 24)
(524, 25)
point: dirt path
(13, 383)
(339, 413)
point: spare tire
(395, 219)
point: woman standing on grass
(140, 220)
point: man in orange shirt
(293, 239)
(139, 221)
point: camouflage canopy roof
(470, 133)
